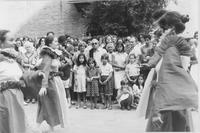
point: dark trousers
(127, 102)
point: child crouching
(124, 96)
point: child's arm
(109, 77)
(97, 76)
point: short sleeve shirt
(106, 69)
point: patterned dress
(92, 87)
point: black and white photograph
(99, 66)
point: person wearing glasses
(96, 52)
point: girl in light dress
(80, 79)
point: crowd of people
(101, 69)
(105, 69)
(94, 68)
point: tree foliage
(123, 17)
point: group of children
(96, 83)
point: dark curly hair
(168, 19)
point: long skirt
(12, 115)
(52, 107)
(173, 121)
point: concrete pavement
(95, 121)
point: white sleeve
(185, 60)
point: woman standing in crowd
(52, 101)
(106, 90)
(40, 44)
(119, 62)
(92, 83)
(80, 79)
(175, 93)
(29, 59)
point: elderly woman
(29, 59)
(174, 93)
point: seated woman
(124, 96)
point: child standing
(66, 70)
(132, 69)
(124, 96)
(80, 79)
(92, 82)
(106, 82)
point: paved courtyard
(95, 121)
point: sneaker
(33, 101)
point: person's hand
(41, 74)
(104, 83)
(43, 91)
(157, 121)
(101, 82)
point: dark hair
(123, 82)
(50, 32)
(93, 61)
(79, 63)
(39, 42)
(3, 35)
(118, 44)
(62, 39)
(105, 56)
(49, 40)
(168, 19)
(137, 83)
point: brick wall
(58, 16)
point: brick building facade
(58, 16)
